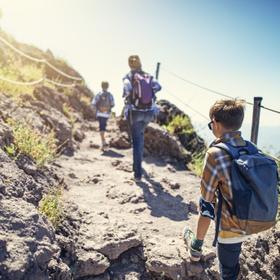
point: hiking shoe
(195, 246)
(188, 235)
(137, 179)
(104, 147)
(195, 254)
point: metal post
(157, 71)
(256, 119)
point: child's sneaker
(195, 254)
(195, 246)
(137, 179)
(104, 147)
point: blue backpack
(254, 181)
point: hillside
(69, 211)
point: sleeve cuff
(207, 209)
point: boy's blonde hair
(230, 113)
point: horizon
(230, 47)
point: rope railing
(213, 91)
(207, 118)
(60, 84)
(32, 83)
(38, 60)
(187, 105)
(62, 73)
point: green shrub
(179, 125)
(29, 142)
(197, 163)
(51, 207)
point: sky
(229, 46)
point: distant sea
(268, 138)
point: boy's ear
(217, 124)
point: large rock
(15, 183)
(165, 260)
(43, 118)
(27, 241)
(111, 240)
(29, 115)
(260, 255)
(50, 97)
(120, 141)
(80, 100)
(190, 140)
(89, 263)
(159, 143)
(61, 126)
(6, 137)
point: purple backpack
(142, 91)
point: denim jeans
(139, 120)
(228, 255)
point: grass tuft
(31, 143)
(51, 206)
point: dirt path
(124, 214)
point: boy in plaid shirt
(226, 119)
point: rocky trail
(143, 220)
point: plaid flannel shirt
(216, 174)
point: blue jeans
(228, 255)
(138, 121)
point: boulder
(6, 136)
(62, 128)
(111, 241)
(159, 143)
(260, 255)
(27, 241)
(120, 141)
(191, 141)
(163, 259)
(50, 97)
(89, 263)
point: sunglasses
(210, 125)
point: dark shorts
(102, 123)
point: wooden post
(157, 71)
(256, 119)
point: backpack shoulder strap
(236, 151)
(231, 150)
(218, 217)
